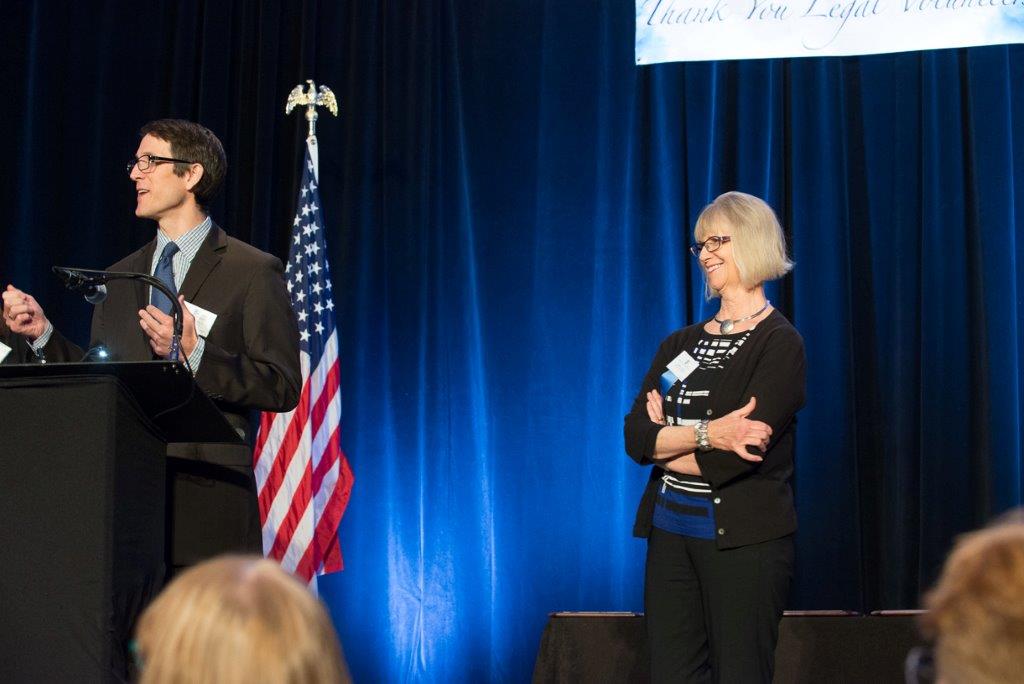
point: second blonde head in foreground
(976, 611)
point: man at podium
(240, 336)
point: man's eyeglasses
(147, 161)
(712, 244)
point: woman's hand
(654, 407)
(735, 432)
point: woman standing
(715, 416)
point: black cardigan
(753, 501)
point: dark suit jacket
(251, 360)
(20, 351)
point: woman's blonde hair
(238, 619)
(976, 611)
(758, 243)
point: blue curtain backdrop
(509, 199)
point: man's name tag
(204, 319)
(683, 365)
(4, 351)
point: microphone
(76, 278)
(94, 294)
(90, 283)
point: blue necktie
(165, 273)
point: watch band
(700, 434)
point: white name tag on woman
(682, 365)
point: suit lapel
(207, 258)
(142, 263)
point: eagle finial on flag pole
(312, 99)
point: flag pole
(303, 478)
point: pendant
(726, 326)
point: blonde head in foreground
(238, 619)
(976, 611)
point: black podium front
(82, 509)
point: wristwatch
(700, 433)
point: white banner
(697, 30)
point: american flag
(302, 475)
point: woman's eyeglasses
(712, 244)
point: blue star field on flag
(307, 270)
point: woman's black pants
(713, 615)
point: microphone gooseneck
(92, 284)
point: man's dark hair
(197, 144)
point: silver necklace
(725, 327)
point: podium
(82, 508)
